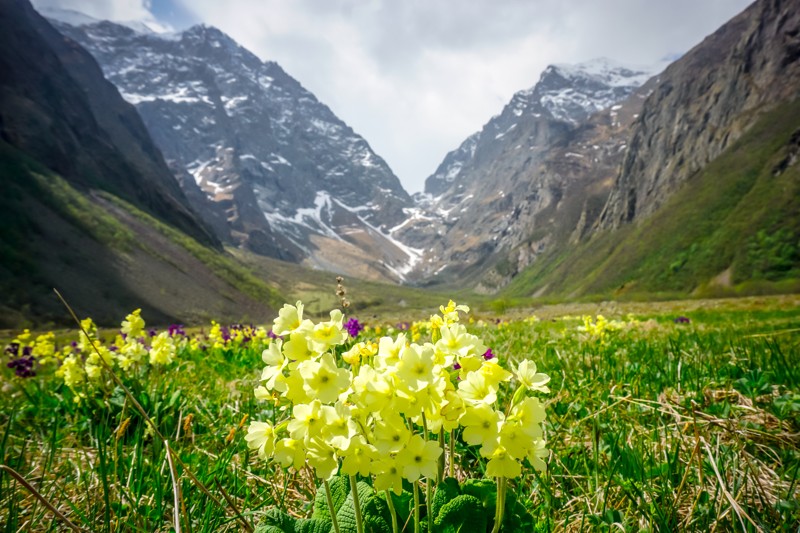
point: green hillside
(734, 228)
(108, 257)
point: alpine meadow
(222, 310)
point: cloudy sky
(416, 77)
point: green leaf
(277, 521)
(340, 487)
(376, 514)
(446, 490)
(462, 513)
(346, 515)
(312, 525)
(483, 489)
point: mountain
(707, 197)
(289, 178)
(88, 203)
(530, 177)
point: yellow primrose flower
(297, 348)
(339, 425)
(44, 346)
(323, 379)
(416, 367)
(307, 422)
(327, 334)
(162, 349)
(419, 458)
(289, 319)
(322, 458)
(530, 414)
(527, 375)
(372, 391)
(94, 366)
(276, 362)
(290, 452)
(494, 373)
(450, 313)
(537, 455)
(475, 389)
(261, 436)
(390, 475)
(514, 439)
(453, 409)
(389, 351)
(502, 464)
(358, 457)
(481, 427)
(71, 371)
(133, 325)
(391, 433)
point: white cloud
(116, 10)
(416, 77)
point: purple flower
(488, 355)
(13, 349)
(456, 366)
(403, 326)
(176, 329)
(353, 327)
(23, 366)
(272, 335)
(152, 333)
(682, 320)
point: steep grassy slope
(107, 258)
(734, 226)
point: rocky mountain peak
(291, 179)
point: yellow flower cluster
(84, 362)
(370, 409)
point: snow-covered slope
(263, 149)
(537, 168)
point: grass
(655, 426)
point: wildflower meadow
(452, 421)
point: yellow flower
(307, 422)
(71, 371)
(482, 427)
(133, 325)
(476, 389)
(290, 452)
(390, 475)
(527, 375)
(289, 319)
(327, 334)
(261, 436)
(502, 465)
(322, 458)
(530, 414)
(416, 366)
(358, 457)
(390, 434)
(323, 379)
(297, 348)
(537, 454)
(419, 458)
(162, 349)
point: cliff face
(535, 176)
(273, 166)
(57, 107)
(704, 102)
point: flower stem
(390, 502)
(356, 504)
(452, 452)
(499, 504)
(416, 507)
(428, 503)
(440, 470)
(330, 505)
